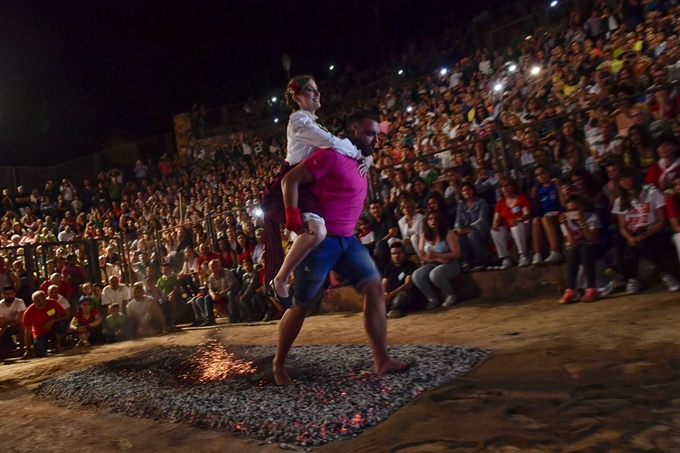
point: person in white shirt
(116, 293)
(642, 219)
(53, 293)
(11, 314)
(66, 235)
(410, 226)
(304, 136)
(144, 315)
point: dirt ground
(601, 377)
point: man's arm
(298, 176)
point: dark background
(77, 76)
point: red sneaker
(591, 295)
(568, 296)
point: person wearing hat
(86, 324)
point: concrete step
(517, 282)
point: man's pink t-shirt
(339, 188)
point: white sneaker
(432, 304)
(671, 282)
(450, 300)
(538, 260)
(633, 286)
(609, 288)
(523, 261)
(554, 258)
(506, 264)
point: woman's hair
(584, 202)
(634, 174)
(294, 87)
(441, 201)
(512, 183)
(429, 233)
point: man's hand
(49, 324)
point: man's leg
(310, 276)
(356, 265)
(289, 328)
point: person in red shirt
(58, 280)
(43, 319)
(661, 173)
(86, 323)
(511, 218)
(73, 274)
(673, 212)
(206, 255)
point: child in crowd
(115, 324)
(304, 136)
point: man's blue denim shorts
(344, 255)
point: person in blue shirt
(548, 205)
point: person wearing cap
(44, 319)
(86, 324)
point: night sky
(78, 76)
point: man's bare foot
(281, 288)
(280, 374)
(392, 366)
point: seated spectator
(641, 218)
(187, 276)
(43, 320)
(410, 226)
(511, 218)
(547, 206)
(53, 294)
(86, 323)
(581, 231)
(144, 317)
(226, 253)
(58, 280)
(246, 302)
(116, 293)
(401, 296)
(472, 228)
(673, 212)
(385, 227)
(73, 274)
(245, 248)
(114, 326)
(170, 290)
(437, 202)
(206, 255)
(440, 251)
(661, 173)
(223, 287)
(11, 314)
(365, 233)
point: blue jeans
(203, 308)
(439, 275)
(40, 343)
(345, 255)
(471, 246)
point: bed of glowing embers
(212, 385)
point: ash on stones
(229, 387)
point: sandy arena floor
(602, 377)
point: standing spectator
(57, 280)
(581, 231)
(22, 200)
(472, 227)
(440, 251)
(73, 274)
(44, 319)
(170, 288)
(511, 218)
(107, 270)
(401, 296)
(641, 218)
(249, 286)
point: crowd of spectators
(483, 165)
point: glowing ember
(212, 362)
